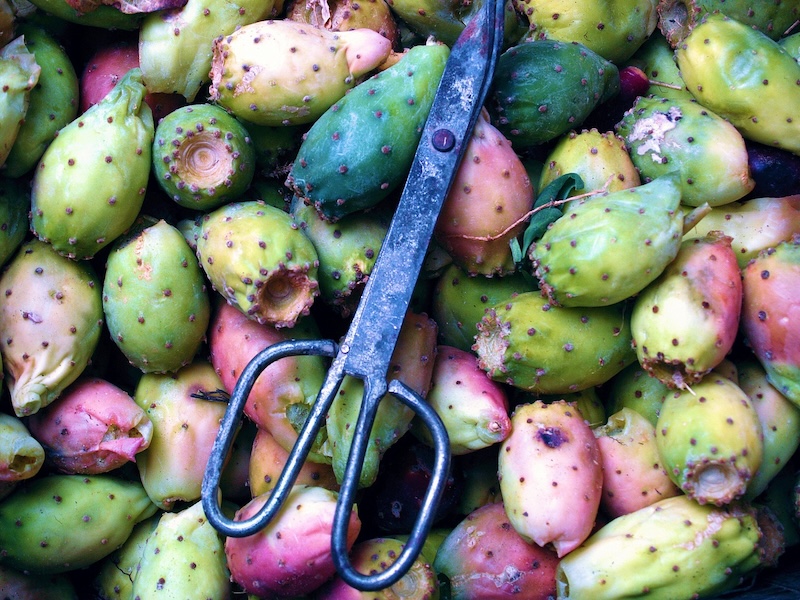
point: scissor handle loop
(227, 433)
(348, 488)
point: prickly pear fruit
(530, 344)
(550, 475)
(635, 388)
(686, 321)
(542, 89)
(203, 157)
(185, 410)
(473, 408)
(344, 15)
(292, 555)
(61, 523)
(664, 135)
(745, 77)
(710, 441)
(481, 486)
(632, 473)
(84, 194)
(769, 311)
(656, 59)
(93, 427)
(14, 204)
(19, 73)
(184, 557)
(29, 586)
(484, 557)
(51, 316)
(175, 45)
(257, 258)
(21, 454)
(675, 548)
(362, 147)
(304, 71)
(594, 255)
(154, 297)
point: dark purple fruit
(633, 83)
(775, 171)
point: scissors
(366, 349)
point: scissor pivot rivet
(443, 140)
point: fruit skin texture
(291, 556)
(745, 77)
(484, 557)
(61, 523)
(710, 441)
(21, 455)
(362, 147)
(675, 548)
(550, 475)
(686, 321)
(154, 297)
(530, 344)
(770, 313)
(51, 316)
(84, 194)
(20, 73)
(14, 205)
(305, 70)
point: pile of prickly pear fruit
(606, 321)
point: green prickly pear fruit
(53, 102)
(51, 316)
(745, 77)
(19, 73)
(769, 311)
(753, 225)
(103, 16)
(183, 558)
(613, 29)
(362, 147)
(710, 441)
(154, 297)
(203, 157)
(185, 409)
(281, 72)
(257, 258)
(14, 205)
(542, 89)
(487, 205)
(656, 59)
(663, 135)
(780, 424)
(175, 45)
(685, 322)
(530, 344)
(21, 454)
(636, 389)
(61, 523)
(594, 254)
(791, 43)
(20, 585)
(459, 302)
(675, 548)
(86, 194)
(550, 475)
(481, 485)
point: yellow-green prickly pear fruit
(19, 73)
(51, 316)
(656, 59)
(21, 455)
(85, 194)
(281, 72)
(745, 77)
(675, 548)
(710, 441)
(634, 388)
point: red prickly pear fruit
(484, 557)
(632, 473)
(551, 476)
(488, 204)
(291, 556)
(770, 312)
(282, 394)
(93, 427)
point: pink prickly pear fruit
(484, 557)
(473, 408)
(21, 455)
(93, 427)
(551, 476)
(291, 556)
(770, 312)
(283, 391)
(632, 473)
(686, 321)
(488, 204)
(267, 459)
